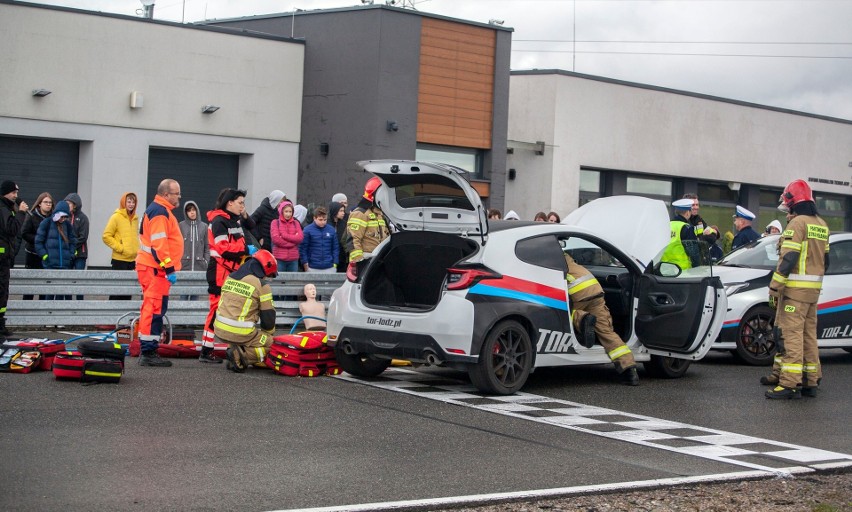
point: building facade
(384, 82)
(103, 104)
(576, 137)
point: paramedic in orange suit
(157, 263)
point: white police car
(450, 289)
(746, 273)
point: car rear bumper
(398, 345)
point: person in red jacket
(228, 249)
(286, 236)
(157, 263)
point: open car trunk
(411, 269)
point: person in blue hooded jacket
(56, 241)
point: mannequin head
(310, 291)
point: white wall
(621, 127)
(93, 62)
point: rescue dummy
(591, 317)
(794, 292)
(245, 318)
(312, 307)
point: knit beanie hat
(339, 197)
(7, 186)
(275, 198)
(300, 212)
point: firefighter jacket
(160, 239)
(582, 285)
(228, 247)
(368, 228)
(245, 302)
(801, 265)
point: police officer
(10, 232)
(677, 252)
(794, 291)
(366, 224)
(590, 316)
(157, 263)
(745, 233)
(246, 300)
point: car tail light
(460, 278)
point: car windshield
(762, 253)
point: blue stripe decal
(835, 310)
(481, 289)
(731, 325)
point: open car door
(680, 316)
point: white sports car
(448, 288)
(746, 273)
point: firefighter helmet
(267, 261)
(797, 191)
(370, 188)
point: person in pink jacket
(286, 235)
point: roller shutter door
(40, 165)
(201, 175)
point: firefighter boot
(234, 364)
(3, 330)
(769, 380)
(207, 356)
(781, 393)
(629, 376)
(587, 330)
(152, 359)
(811, 391)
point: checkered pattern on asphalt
(741, 450)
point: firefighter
(366, 224)
(591, 317)
(228, 249)
(794, 292)
(157, 263)
(683, 240)
(246, 301)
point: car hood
(427, 196)
(637, 225)
(730, 275)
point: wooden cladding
(456, 98)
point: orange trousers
(155, 303)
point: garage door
(39, 165)
(201, 175)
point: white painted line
(559, 492)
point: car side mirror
(667, 269)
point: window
(543, 251)
(590, 185)
(833, 210)
(464, 158)
(840, 258)
(649, 186)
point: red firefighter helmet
(797, 191)
(268, 262)
(370, 188)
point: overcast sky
(794, 54)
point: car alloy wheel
(756, 344)
(505, 360)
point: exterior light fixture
(209, 109)
(41, 93)
(392, 126)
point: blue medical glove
(251, 250)
(172, 278)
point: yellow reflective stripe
(804, 277)
(778, 358)
(266, 297)
(357, 222)
(235, 330)
(260, 353)
(618, 352)
(779, 278)
(2, 250)
(245, 310)
(357, 253)
(791, 368)
(581, 285)
(811, 367)
(804, 284)
(818, 232)
(235, 323)
(157, 236)
(803, 258)
(792, 245)
(103, 374)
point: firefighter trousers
(155, 303)
(250, 349)
(618, 352)
(800, 360)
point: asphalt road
(196, 437)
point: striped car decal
(833, 306)
(520, 289)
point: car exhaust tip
(433, 359)
(348, 349)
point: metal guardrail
(96, 286)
